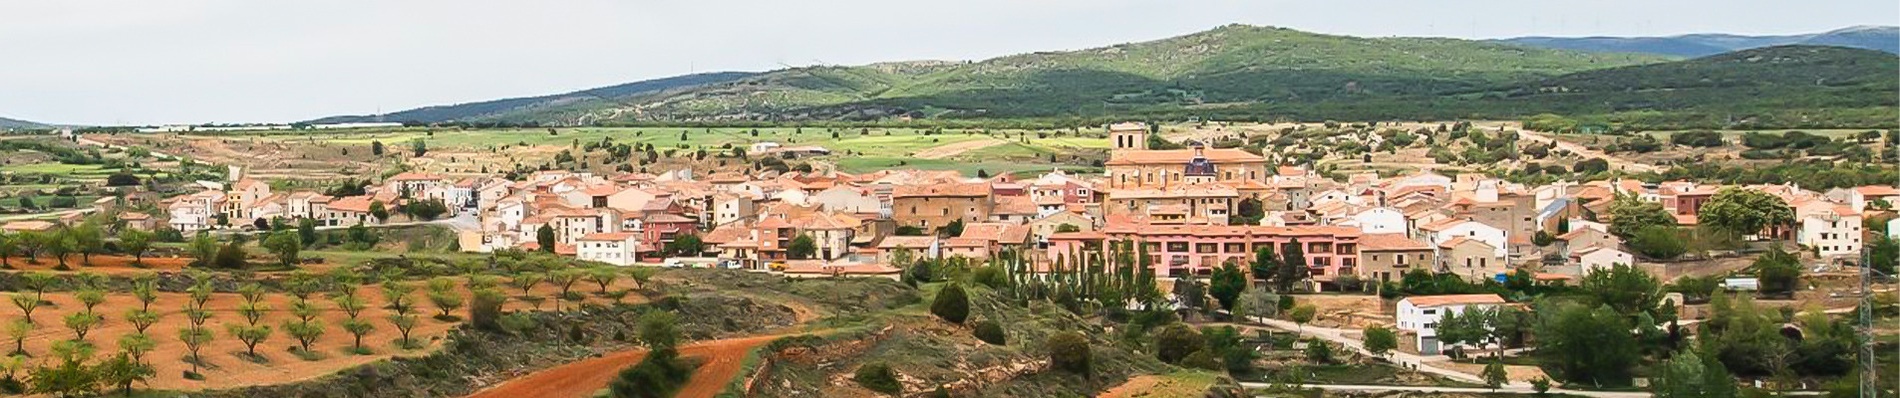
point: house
(1419, 315)
(1831, 230)
(1581, 238)
(831, 233)
(415, 184)
(1131, 164)
(1473, 259)
(28, 226)
(617, 248)
(1599, 258)
(729, 207)
(1041, 228)
(918, 247)
(1451, 228)
(936, 205)
(1380, 220)
(138, 221)
(347, 211)
(1013, 210)
(1386, 257)
(1176, 250)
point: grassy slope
(1227, 64)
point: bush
(878, 377)
(1176, 341)
(951, 304)
(991, 332)
(485, 312)
(1318, 351)
(1202, 360)
(1069, 351)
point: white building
(1600, 258)
(617, 248)
(1380, 220)
(1831, 229)
(1420, 315)
(1445, 230)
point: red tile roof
(1390, 242)
(1454, 299)
(942, 190)
(1180, 156)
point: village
(1191, 210)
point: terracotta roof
(725, 233)
(668, 218)
(940, 190)
(1877, 190)
(134, 216)
(1455, 242)
(609, 236)
(966, 242)
(1578, 233)
(1454, 299)
(28, 225)
(1016, 205)
(602, 190)
(1177, 191)
(1180, 156)
(415, 176)
(1127, 226)
(828, 221)
(359, 204)
(1444, 224)
(1390, 242)
(245, 184)
(908, 242)
(1083, 235)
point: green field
(77, 170)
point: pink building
(1198, 249)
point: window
(1431, 312)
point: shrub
(951, 304)
(485, 313)
(991, 332)
(1069, 351)
(1658, 242)
(1318, 351)
(878, 377)
(1176, 341)
(1202, 360)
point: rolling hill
(1882, 38)
(476, 111)
(6, 123)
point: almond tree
(141, 319)
(251, 335)
(26, 304)
(404, 323)
(195, 338)
(398, 295)
(18, 330)
(350, 304)
(81, 323)
(136, 345)
(603, 277)
(90, 297)
(564, 279)
(305, 331)
(145, 288)
(357, 329)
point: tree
(1779, 271)
(1658, 242)
(307, 231)
(18, 330)
(88, 240)
(203, 248)
(305, 331)
(1883, 254)
(136, 243)
(1226, 283)
(1302, 314)
(953, 229)
(81, 323)
(544, 237)
(195, 337)
(122, 371)
(1319, 351)
(378, 210)
(419, 147)
(1176, 341)
(688, 245)
(69, 376)
(989, 331)
(1630, 215)
(1592, 166)
(285, 246)
(59, 244)
(376, 148)
(1494, 375)
(404, 324)
(802, 247)
(445, 303)
(660, 373)
(1069, 351)
(951, 304)
(1380, 340)
(1588, 346)
(1292, 268)
(1624, 288)
(251, 335)
(357, 328)
(1688, 375)
(230, 256)
(1745, 211)
(9, 246)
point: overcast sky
(197, 61)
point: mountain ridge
(1881, 38)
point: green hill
(1227, 65)
(6, 123)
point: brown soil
(721, 361)
(224, 367)
(1135, 387)
(1513, 372)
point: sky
(143, 62)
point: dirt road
(1616, 163)
(721, 361)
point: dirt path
(722, 361)
(1616, 163)
(1134, 387)
(946, 151)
